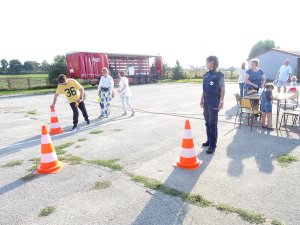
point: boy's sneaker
(74, 128)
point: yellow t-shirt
(70, 90)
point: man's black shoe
(210, 150)
(205, 144)
(88, 122)
(74, 128)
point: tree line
(15, 66)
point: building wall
(271, 61)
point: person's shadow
(259, 144)
(159, 212)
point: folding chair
(238, 103)
(247, 107)
(291, 102)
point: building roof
(290, 52)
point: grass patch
(102, 184)
(29, 91)
(35, 91)
(24, 76)
(286, 159)
(247, 215)
(277, 222)
(47, 211)
(61, 147)
(96, 132)
(198, 200)
(81, 139)
(36, 164)
(13, 163)
(117, 130)
(72, 159)
(77, 146)
(32, 112)
(147, 182)
(111, 163)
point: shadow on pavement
(36, 140)
(18, 183)
(162, 210)
(259, 144)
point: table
(279, 96)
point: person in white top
(125, 93)
(105, 92)
(241, 77)
(283, 75)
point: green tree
(28, 66)
(261, 47)
(178, 72)
(15, 66)
(59, 66)
(44, 66)
(4, 65)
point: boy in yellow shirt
(74, 93)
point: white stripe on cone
(188, 152)
(54, 125)
(187, 134)
(53, 114)
(45, 139)
(49, 157)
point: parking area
(243, 172)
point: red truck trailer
(88, 66)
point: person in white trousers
(125, 93)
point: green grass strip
(277, 222)
(96, 132)
(102, 184)
(60, 148)
(111, 163)
(13, 163)
(47, 211)
(196, 199)
(286, 159)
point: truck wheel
(143, 80)
(136, 80)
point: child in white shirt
(125, 93)
(293, 84)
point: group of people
(75, 94)
(253, 79)
(283, 78)
(212, 99)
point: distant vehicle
(88, 66)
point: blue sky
(187, 30)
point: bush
(59, 66)
(178, 72)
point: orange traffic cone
(54, 126)
(49, 161)
(188, 159)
